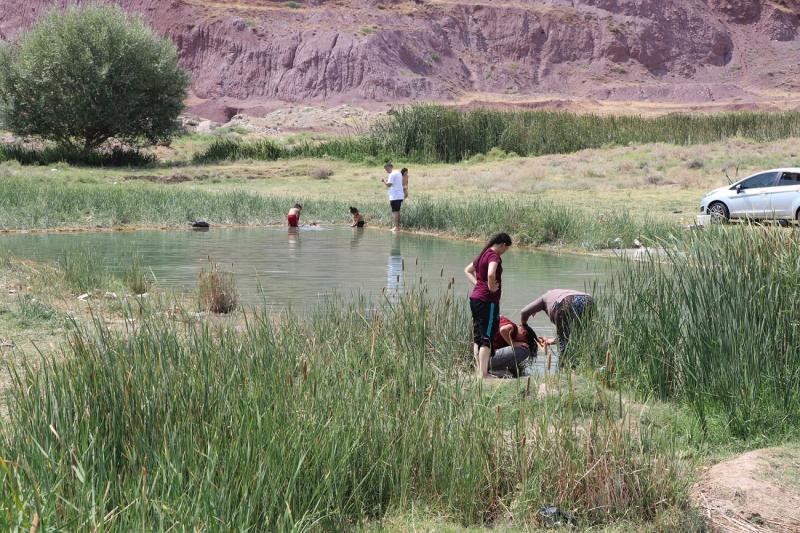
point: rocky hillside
(250, 54)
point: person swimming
(358, 218)
(293, 218)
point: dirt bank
(756, 491)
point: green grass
(83, 271)
(324, 423)
(134, 276)
(714, 325)
(116, 157)
(431, 133)
(38, 204)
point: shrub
(83, 75)
(217, 289)
(322, 173)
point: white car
(772, 194)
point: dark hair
(404, 171)
(298, 206)
(388, 164)
(533, 344)
(353, 210)
(498, 238)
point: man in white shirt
(396, 193)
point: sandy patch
(756, 491)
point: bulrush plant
(134, 276)
(712, 322)
(217, 289)
(83, 271)
(323, 422)
(438, 134)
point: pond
(299, 268)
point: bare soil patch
(756, 491)
(172, 178)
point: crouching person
(515, 347)
(566, 309)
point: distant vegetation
(432, 133)
(26, 204)
(114, 157)
(84, 75)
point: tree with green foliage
(83, 75)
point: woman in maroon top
(485, 274)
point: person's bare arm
(469, 271)
(491, 282)
(405, 186)
(505, 332)
(531, 309)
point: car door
(749, 198)
(783, 194)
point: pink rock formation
(253, 52)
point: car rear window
(790, 178)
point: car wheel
(719, 212)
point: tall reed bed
(319, 423)
(432, 133)
(26, 204)
(714, 323)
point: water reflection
(294, 242)
(395, 268)
(358, 234)
(336, 260)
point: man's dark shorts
(485, 321)
(395, 205)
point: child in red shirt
(512, 345)
(294, 215)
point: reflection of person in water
(357, 236)
(394, 276)
(294, 241)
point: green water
(298, 270)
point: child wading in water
(358, 218)
(294, 216)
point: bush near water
(83, 75)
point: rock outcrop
(259, 51)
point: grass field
(257, 422)
(655, 182)
(363, 418)
(137, 413)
